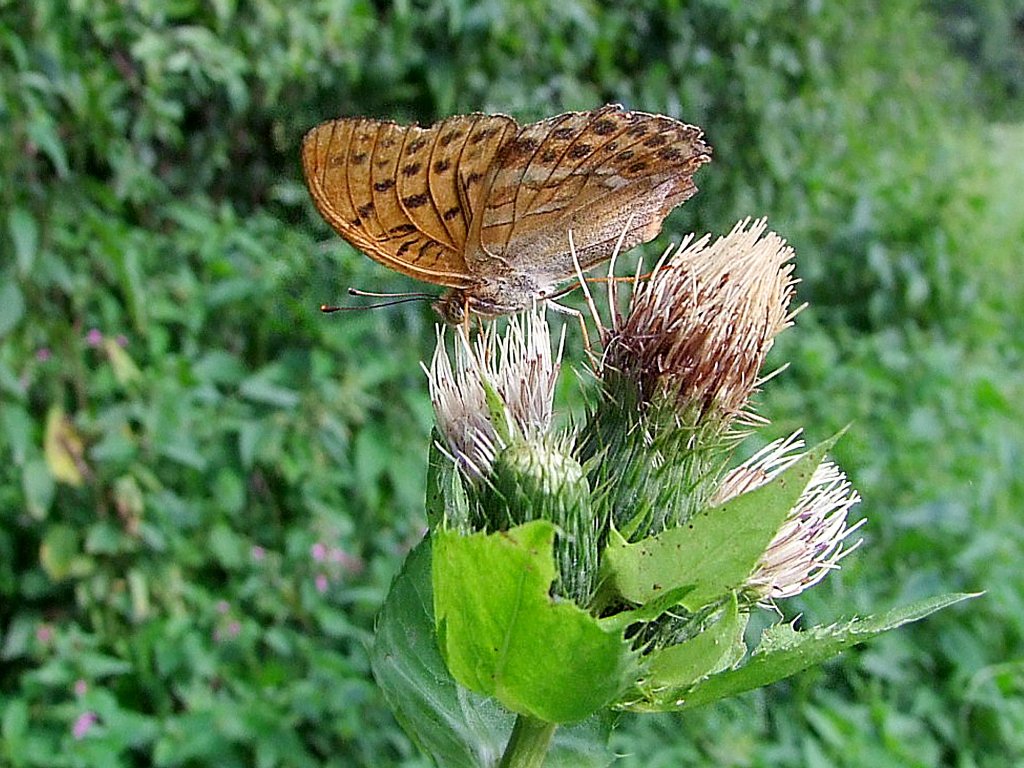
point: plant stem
(528, 743)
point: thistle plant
(612, 565)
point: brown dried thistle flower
(699, 329)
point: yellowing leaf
(124, 367)
(63, 448)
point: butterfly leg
(569, 311)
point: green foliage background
(252, 472)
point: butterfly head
(487, 300)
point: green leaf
(504, 636)
(58, 551)
(717, 550)
(12, 306)
(25, 236)
(38, 485)
(455, 726)
(446, 500)
(784, 651)
(672, 671)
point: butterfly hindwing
(350, 166)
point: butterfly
(484, 207)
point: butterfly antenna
(396, 298)
(373, 295)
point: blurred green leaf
(25, 237)
(12, 307)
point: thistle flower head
(519, 368)
(810, 543)
(699, 329)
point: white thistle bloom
(811, 541)
(518, 366)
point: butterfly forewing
(595, 173)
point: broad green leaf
(716, 550)
(784, 651)
(62, 448)
(503, 635)
(454, 725)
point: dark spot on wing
(411, 169)
(562, 133)
(402, 229)
(548, 156)
(365, 210)
(637, 167)
(473, 178)
(415, 201)
(416, 145)
(655, 141)
(671, 154)
(441, 166)
(384, 186)
(579, 151)
(451, 213)
(357, 159)
(604, 126)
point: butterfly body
(484, 207)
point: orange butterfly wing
(405, 195)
